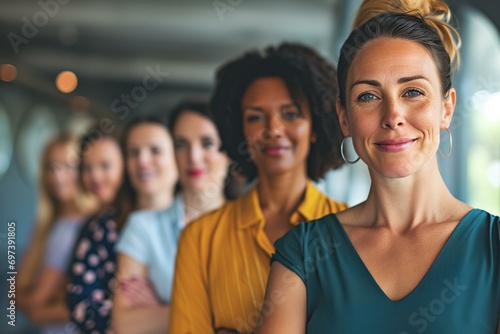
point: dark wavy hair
(308, 77)
(198, 106)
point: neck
(155, 202)
(68, 209)
(196, 203)
(404, 203)
(281, 193)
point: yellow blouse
(223, 262)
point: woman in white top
(148, 245)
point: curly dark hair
(308, 77)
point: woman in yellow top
(276, 116)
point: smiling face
(61, 176)
(201, 164)
(150, 159)
(394, 106)
(277, 130)
(102, 169)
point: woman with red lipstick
(411, 257)
(148, 245)
(203, 167)
(276, 114)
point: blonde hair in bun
(435, 13)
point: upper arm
(284, 309)
(127, 267)
(190, 308)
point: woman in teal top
(411, 258)
(460, 293)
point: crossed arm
(284, 308)
(136, 306)
(44, 302)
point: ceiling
(113, 42)
(116, 40)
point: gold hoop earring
(342, 153)
(445, 156)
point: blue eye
(413, 93)
(365, 97)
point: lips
(144, 176)
(195, 172)
(274, 151)
(395, 145)
(98, 188)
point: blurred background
(67, 63)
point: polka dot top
(91, 274)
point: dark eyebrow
(260, 109)
(254, 108)
(366, 82)
(408, 79)
(400, 81)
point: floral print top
(91, 274)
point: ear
(343, 120)
(449, 103)
(313, 137)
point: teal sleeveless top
(459, 294)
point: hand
(139, 292)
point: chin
(396, 171)
(277, 171)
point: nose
(275, 126)
(96, 176)
(393, 114)
(195, 154)
(143, 158)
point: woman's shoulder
(481, 220)
(101, 227)
(212, 220)
(317, 228)
(142, 217)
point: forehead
(392, 57)
(102, 149)
(193, 124)
(266, 90)
(146, 132)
